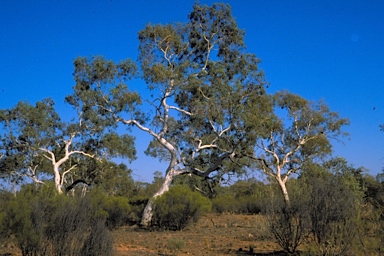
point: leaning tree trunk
(148, 210)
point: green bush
(244, 196)
(177, 207)
(225, 203)
(243, 204)
(25, 215)
(44, 223)
(116, 209)
(137, 204)
(250, 204)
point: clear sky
(326, 49)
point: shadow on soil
(277, 253)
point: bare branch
(180, 110)
(65, 172)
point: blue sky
(328, 49)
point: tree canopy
(205, 90)
(302, 133)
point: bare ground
(213, 234)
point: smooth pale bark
(148, 210)
(171, 173)
(283, 189)
(57, 178)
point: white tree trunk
(57, 178)
(283, 189)
(148, 210)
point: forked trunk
(148, 210)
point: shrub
(99, 242)
(250, 204)
(334, 213)
(225, 203)
(178, 206)
(288, 224)
(47, 224)
(175, 244)
(115, 209)
(137, 204)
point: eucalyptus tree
(36, 141)
(204, 91)
(19, 132)
(302, 131)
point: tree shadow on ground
(248, 252)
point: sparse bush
(99, 242)
(334, 212)
(25, 216)
(176, 208)
(175, 244)
(288, 224)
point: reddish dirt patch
(211, 235)
(225, 234)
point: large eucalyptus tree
(204, 90)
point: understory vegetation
(336, 212)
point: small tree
(35, 140)
(302, 135)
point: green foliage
(24, 129)
(301, 131)
(111, 178)
(231, 204)
(177, 207)
(119, 145)
(190, 70)
(115, 209)
(4, 199)
(244, 196)
(225, 203)
(44, 223)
